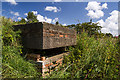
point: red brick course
(60, 35)
(54, 61)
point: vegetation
(91, 58)
(96, 55)
(31, 18)
(22, 21)
(14, 65)
(57, 23)
(89, 27)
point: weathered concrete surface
(46, 36)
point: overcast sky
(106, 13)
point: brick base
(46, 66)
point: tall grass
(14, 65)
(91, 58)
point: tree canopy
(22, 21)
(90, 27)
(31, 17)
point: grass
(91, 58)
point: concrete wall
(46, 36)
(56, 36)
(32, 35)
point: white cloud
(19, 18)
(35, 12)
(26, 19)
(57, 0)
(26, 14)
(76, 0)
(101, 23)
(110, 25)
(113, 17)
(119, 23)
(104, 6)
(64, 24)
(55, 20)
(41, 18)
(15, 13)
(48, 20)
(93, 5)
(12, 2)
(95, 9)
(11, 12)
(95, 14)
(52, 8)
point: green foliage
(8, 35)
(31, 17)
(22, 21)
(14, 65)
(91, 58)
(109, 35)
(91, 28)
(57, 23)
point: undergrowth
(91, 59)
(13, 64)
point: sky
(104, 13)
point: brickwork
(51, 62)
(46, 36)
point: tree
(119, 36)
(22, 20)
(31, 17)
(91, 28)
(109, 35)
(57, 23)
